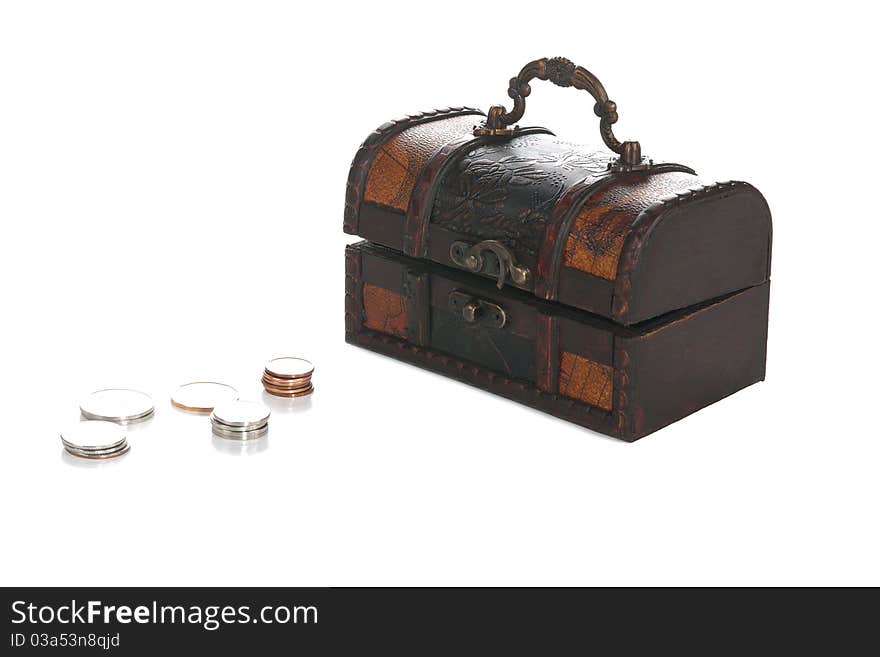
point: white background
(172, 179)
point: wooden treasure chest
(618, 292)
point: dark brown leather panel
(417, 292)
(432, 175)
(507, 190)
(580, 290)
(382, 225)
(581, 339)
(699, 244)
(384, 272)
(521, 315)
(685, 364)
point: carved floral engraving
(507, 191)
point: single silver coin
(117, 405)
(94, 435)
(203, 396)
(288, 367)
(241, 414)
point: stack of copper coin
(240, 420)
(288, 377)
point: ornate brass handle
(564, 73)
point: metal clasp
(499, 264)
(477, 311)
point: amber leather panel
(585, 380)
(396, 166)
(596, 238)
(384, 311)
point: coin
(287, 384)
(98, 457)
(229, 427)
(118, 405)
(94, 435)
(289, 367)
(93, 449)
(295, 380)
(288, 377)
(203, 396)
(244, 414)
(95, 439)
(282, 392)
(240, 435)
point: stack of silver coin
(240, 420)
(95, 439)
(118, 405)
